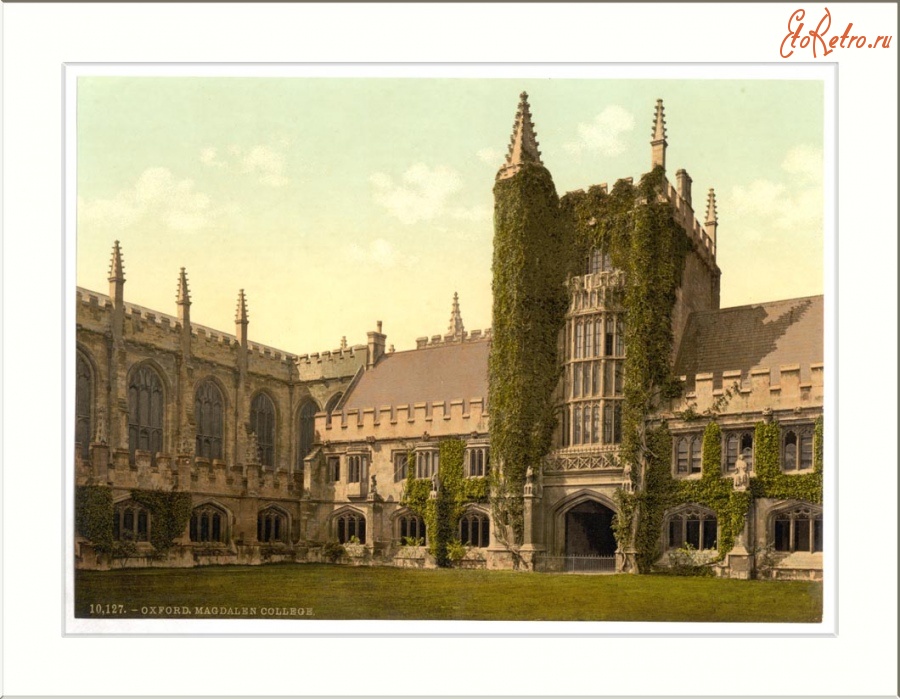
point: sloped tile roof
(452, 371)
(758, 335)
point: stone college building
(197, 447)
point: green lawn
(343, 592)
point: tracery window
(477, 462)
(612, 423)
(738, 443)
(356, 467)
(209, 415)
(208, 525)
(475, 530)
(797, 449)
(695, 527)
(271, 526)
(262, 423)
(426, 463)
(145, 411)
(688, 453)
(306, 433)
(349, 525)
(334, 468)
(84, 398)
(798, 529)
(131, 522)
(411, 527)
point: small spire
(116, 268)
(523, 145)
(658, 143)
(183, 295)
(343, 342)
(456, 328)
(712, 215)
(241, 316)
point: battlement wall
(442, 340)
(758, 389)
(438, 419)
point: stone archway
(589, 530)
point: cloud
(793, 202)
(381, 253)
(264, 162)
(603, 135)
(421, 194)
(491, 156)
(157, 193)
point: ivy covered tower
(529, 273)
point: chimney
(376, 346)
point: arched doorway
(589, 530)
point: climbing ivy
(170, 511)
(530, 266)
(770, 481)
(94, 515)
(442, 512)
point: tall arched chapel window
(84, 396)
(145, 411)
(209, 414)
(262, 422)
(307, 430)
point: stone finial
(252, 454)
(100, 434)
(658, 143)
(116, 268)
(523, 145)
(391, 349)
(343, 342)
(456, 328)
(712, 216)
(183, 295)
(241, 316)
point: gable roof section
(758, 335)
(452, 371)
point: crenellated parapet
(789, 387)
(684, 215)
(436, 418)
(461, 336)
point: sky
(338, 202)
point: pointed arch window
(412, 529)
(798, 529)
(475, 530)
(145, 411)
(262, 423)
(271, 526)
(84, 399)
(694, 527)
(306, 430)
(131, 522)
(797, 450)
(209, 414)
(350, 525)
(208, 525)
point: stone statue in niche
(741, 476)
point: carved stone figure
(741, 477)
(100, 436)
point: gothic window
(475, 530)
(307, 430)
(208, 525)
(738, 443)
(131, 522)
(350, 525)
(588, 336)
(598, 334)
(356, 467)
(595, 379)
(595, 424)
(209, 415)
(334, 468)
(688, 452)
(620, 338)
(576, 381)
(576, 426)
(84, 398)
(598, 261)
(610, 334)
(797, 450)
(609, 383)
(612, 423)
(565, 426)
(618, 373)
(271, 526)
(586, 425)
(799, 529)
(426, 463)
(262, 423)
(477, 462)
(331, 406)
(412, 528)
(586, 380)
(579, 338)
(145, 411)
(401, 461)
(695, 527)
